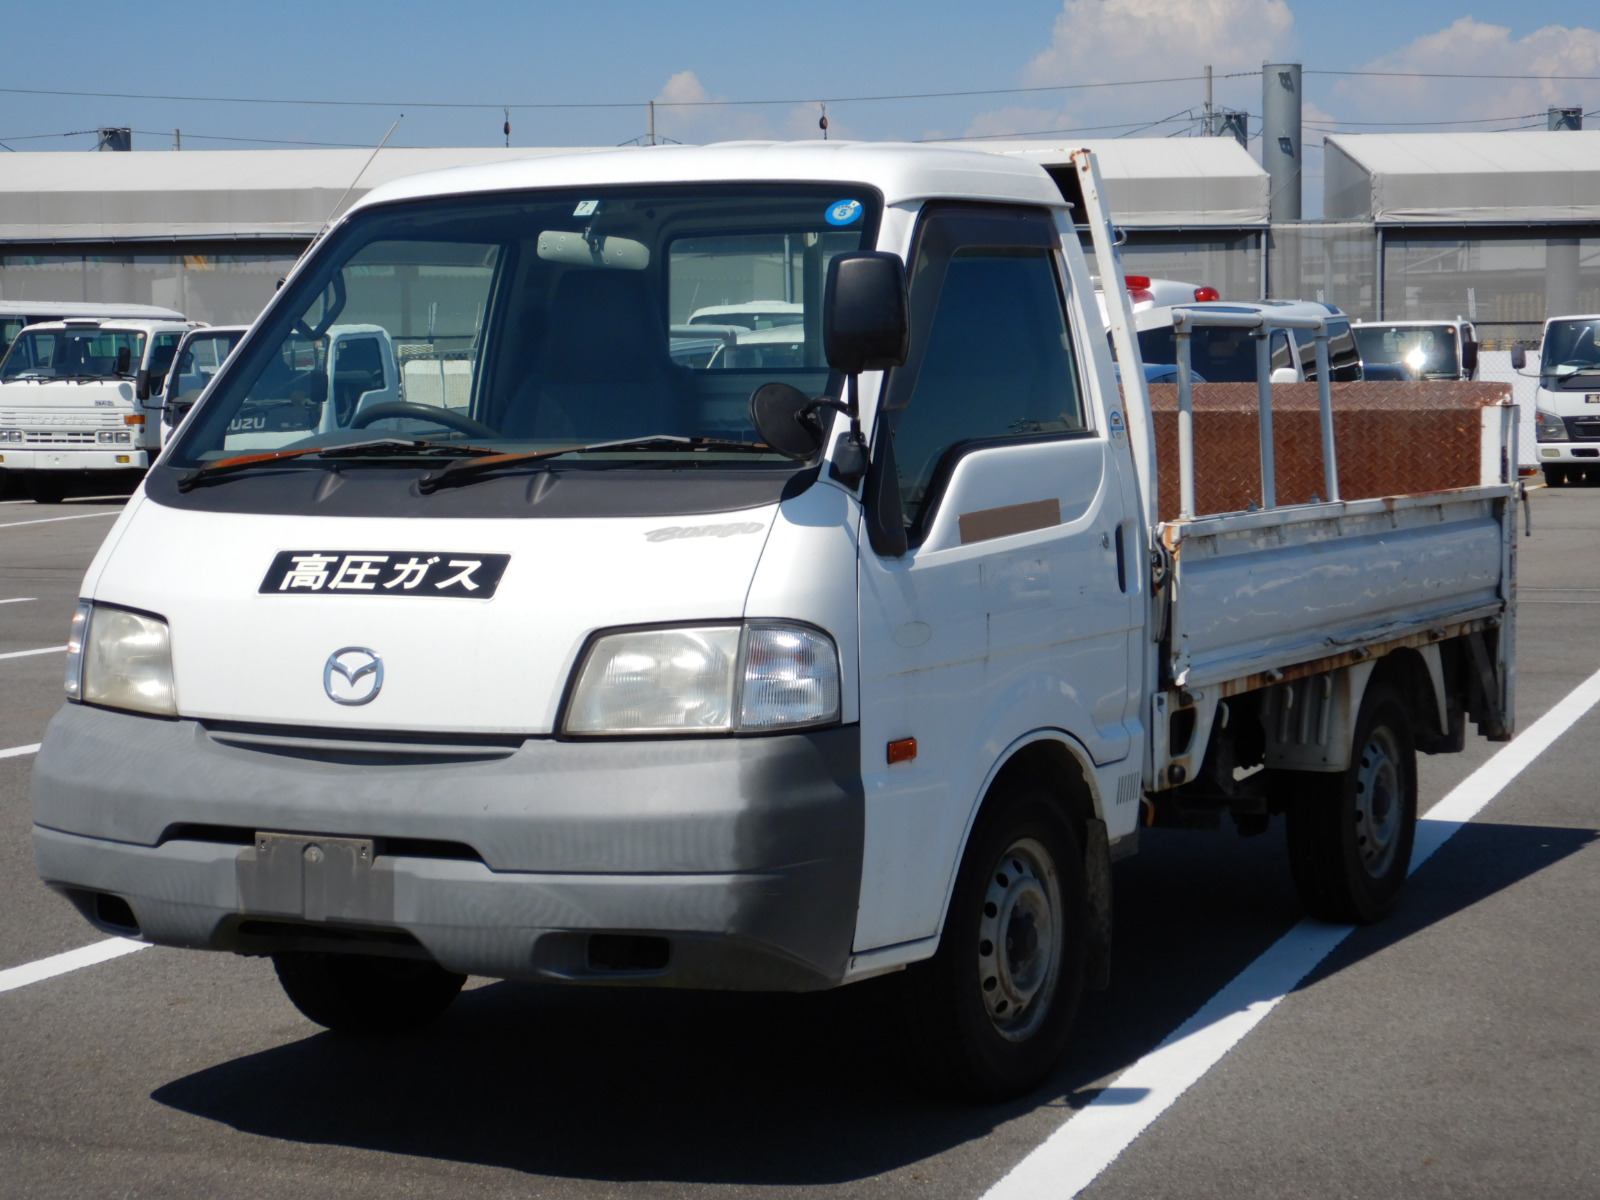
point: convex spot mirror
(786, 419)
(1519, 358)
(865, 326)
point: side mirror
(142, 385)
(1519, 358)
(865, 317)
(785, 418)
(1469, 356)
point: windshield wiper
(461, 472)
(394, 447)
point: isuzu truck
(1567, 404)
(634, 672)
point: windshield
(1217, 354)
(1421, 352)
(1571, 357)
(73, 354)
(538, 321)
(202, 355)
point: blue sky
(384, 59)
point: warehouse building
(1499, 228)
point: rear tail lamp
(1207, 293)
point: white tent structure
(1162, 183)
(1463, 178)
(229, 195)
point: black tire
(359, 993)
(45, 487)
(1555, 476)
(988, 1016)
(1350, 834)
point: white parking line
(1091, 1140)
(72, 960)
(19, 751)
(19, 600)
(28, 653)
(47, 520)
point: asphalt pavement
(1450, 1051)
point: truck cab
(70, 408)
(200, 355)
(1403, 350)
(1223, 354)
(1567, 404)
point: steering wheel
(449, 418)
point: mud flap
(1097, 888)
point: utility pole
(177, 139)
(652, 140)
(1210, 120)
(1564, 118)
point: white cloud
(1471, 47)
(1116, 41)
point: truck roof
(113, 323)
(46, 309)
(901, 171)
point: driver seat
(604, 372)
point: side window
(992, 354)
(162, 349)
(1282, 356)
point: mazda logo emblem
(353, 675)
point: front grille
(57, 437)
(1583, 429)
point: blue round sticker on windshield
(844, 212)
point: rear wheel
(1350, 834)
(359, 993)
(987, 1016)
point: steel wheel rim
(1380, 801)
(1019, 940)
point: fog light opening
(113, 912)
(627, 952)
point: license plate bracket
(314, 878)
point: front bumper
(112, 458)
(740, 858)
(1569, 453)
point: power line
(1060, 87)
(1447, 75)
(1130, 126)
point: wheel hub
(1019, 939)
(1378, 807)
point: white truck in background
(201, 353)
(642, 672)
(72, 398)
(1401, 350)
(1567, 404)
(15, 315)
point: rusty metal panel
(1390, 438)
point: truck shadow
(705, 1088)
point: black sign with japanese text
(385, 573)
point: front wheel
(46, 487)
(359, 993)
(1555, 476)
(987, 1016)
(1350, 834)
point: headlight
(753, 677)
(1551, 427)
(120, 659)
